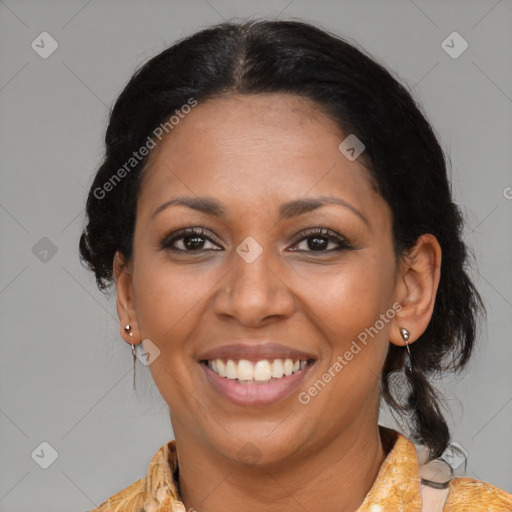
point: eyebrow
(287, 210)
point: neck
(332, 477)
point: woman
(275, 213)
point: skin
(253, 153)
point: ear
(124, 302)
(416, 289)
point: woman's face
(256, 277)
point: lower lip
(257, 393)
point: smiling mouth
(256, 372)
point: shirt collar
(398, 483)
(397, 486)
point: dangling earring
(407, 356)
(128, 328)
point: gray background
(65, 372)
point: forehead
(255, 124)
(249, 149)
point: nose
(254, 291)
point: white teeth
(277, 369)
(245, 370)
(221, 367)
(231, 371)
(262, 371)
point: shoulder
(476, 495)
(156, 490)
(130, 498)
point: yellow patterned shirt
(397, 487)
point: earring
(128, 328)
(134, 354)
(407, 356)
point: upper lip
(254, 352)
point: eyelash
(344, 243)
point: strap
(433, 499)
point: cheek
(166, 295)
(168, 304)
(354, 313)
(352, 297)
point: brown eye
(318, 240)
(192, 240)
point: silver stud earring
(128, 328)
(407, 356)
